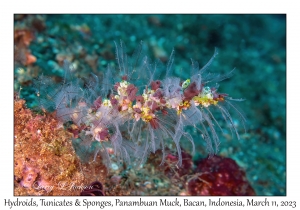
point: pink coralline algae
(219, 176)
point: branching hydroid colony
(131, 113)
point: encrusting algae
(44, 159)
